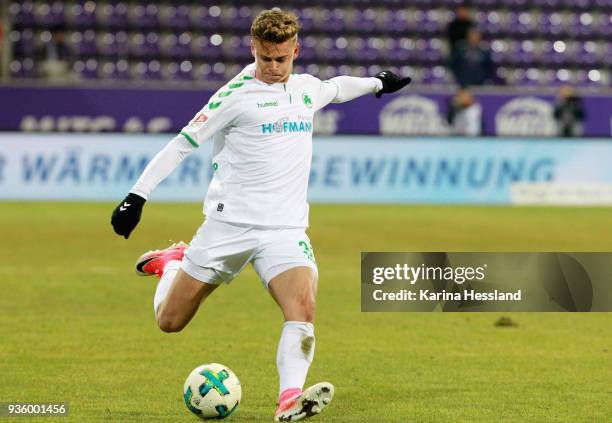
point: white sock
(294, 354)
(165, 282)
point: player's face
(274, 62)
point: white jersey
(262, 146)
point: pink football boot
(153, 262)
(294, 405)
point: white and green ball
(212, 391)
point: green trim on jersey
(246, 77)
(236, 85)
(191, 140)
(214, 105)
(225, 93)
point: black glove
(391, 82)
(127, 215)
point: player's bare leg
(178, 295)
(182, 302)
(295, 292)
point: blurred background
(558, 49)
(510, 69)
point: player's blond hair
(275, 26)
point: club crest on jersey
(307, 100)
(200, 118)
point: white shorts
(219, 251)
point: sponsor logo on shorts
(220, 207)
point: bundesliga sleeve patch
(200, 118)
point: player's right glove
(127, 215)
(391, 82)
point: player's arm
(216, 115)
(345, 88)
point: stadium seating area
(539, 42)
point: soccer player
(256, 211)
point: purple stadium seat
(364, 21)
(144, 45)
(16, 69)
(526, 52)
(153, 70)
(333, 49)
(583, 24)
(107, 70)
(607, 55)
(48, 15)
(22, 14)
(25, 68)
(333, 21)
(404, 51)
(436, 75)
(605, 25)
(87, 69)
(420, 51)
(177, 46)
(498, 50)
(490, 22)
(24, 43)
(239, 19)
(206, 19)
(204, 72)
(308, 48)
(207, 47)
(586, 53)
(603, 4)
(82, 15)
(327, 72)
(110, 44)
(218, 72)
(175, 16)
(478, 4)
(395, 21)
(231, 70)
(83, 43)
(555, 53)
(178, 71)
(533, 76)
(113, 15)
(434, 22)
(561, 76)
(144, 16)
(236, 48)
(107, 46)
(577, 4)
(122, 69)
(307, 18)
(366, 50)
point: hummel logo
(125, 206)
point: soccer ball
(212, 391)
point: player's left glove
(391, 82)
(127, 215)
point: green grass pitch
(77, 324)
